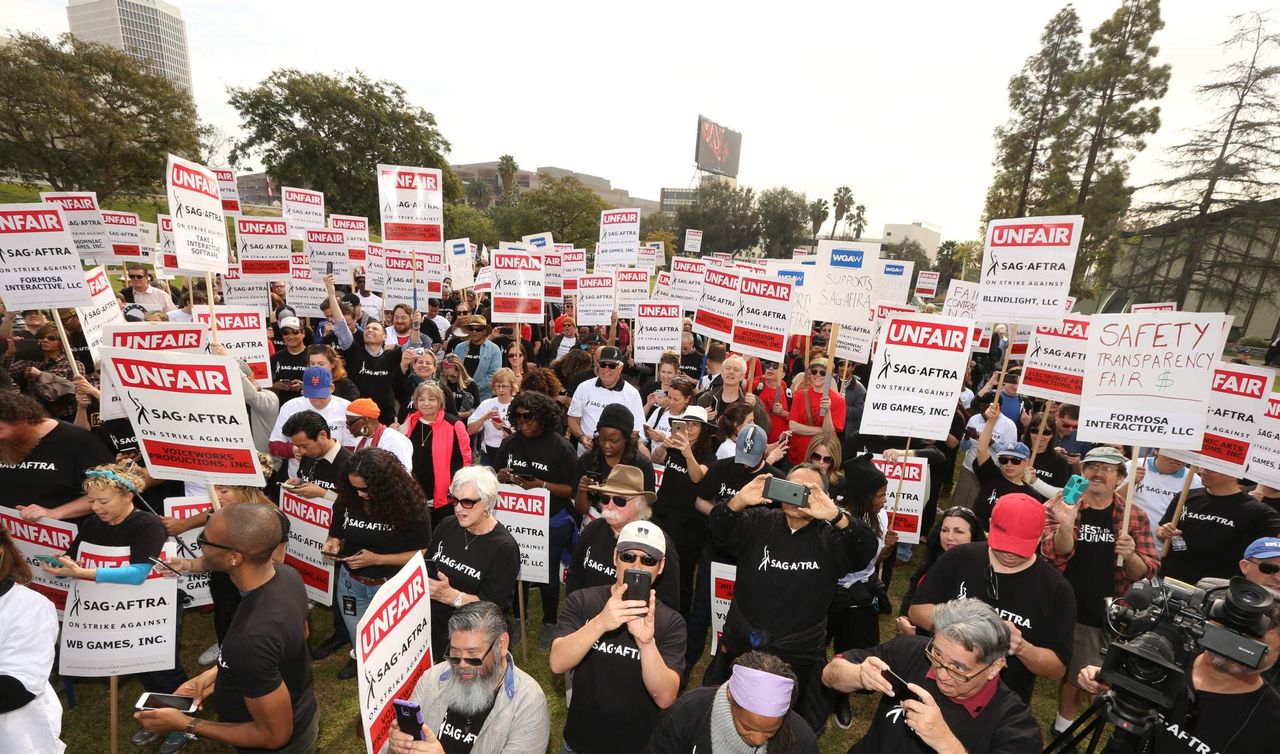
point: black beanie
(862, 477)
(617, 416)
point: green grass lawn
(84, 729)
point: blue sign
(795, 276)
(893, 269)
(851, 258)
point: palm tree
(842, 202)
(859, 221)
(478, 193)
(507, 168)
(817, 214)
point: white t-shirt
(966, 397)
(335, 413)
(1158, 491)
(659, 419)
(727, 449)
(178, 315)
(28, 625)
(566, 345)
(590, 399)
(1004, 433)
(492, 436)
(370, 305)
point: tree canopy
(727, 217)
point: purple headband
(760, 692)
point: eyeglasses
(521, 416)
(819, 458)
(202, 543)
(466, 502)
(818, 372)
(474, 662)
(1270, 569)
(137, 277)
(939, 664)
(1096, 466)
(1010, 461)
(631, 556)
(50, 338)
(618, 500)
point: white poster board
(1237, 402)
(411, 200)
(686, 281)
(893, 281)
(118, 629)
(327, 247)
(195, 211)
(801, 297)
(658, 327)
(630, 288)
(1054, 368)
(305, 292)
(720, 303)
(263, 249)
(596, 299)
(39, 263)
(905, 495)
(461, 263)
(83, 219)
(723, 579)
(517, 285)
(619, 238)
(917, 376)
(242, 330)
(124, 237)
(927, 283)
(356, 231)
(44, 536)
(186, 337)
(692, 241)
(527, 516)
(1026, 269)
(104, 310)
(228, 191)
(302, 209)
(763, 321)
(1264, 453)
(309, 521)
(184, 545)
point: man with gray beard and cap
(477, 700)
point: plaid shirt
(1139, 529)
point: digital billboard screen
(718, 148)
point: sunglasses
(521, 416)
(461, 312)
(202, 543)
(1010, 461)
(767, 365)
(631, 556)
(1067, 425)
(477, 328)
(50, 338)
(618, 500)
(474, 662)
(818, 372)
(1270, 569)
(137, 277)
(1046, 432)
(466, 502)
(819, 458)
(290, 332)
(515, 355)
(361, 491)
(610, 364)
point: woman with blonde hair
(441, 446)
(456, 381)
(418, 366)
(491, 415)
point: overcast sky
(896, 101)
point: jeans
(699, 623)
(361, 593)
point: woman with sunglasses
(538, 456)
(441, 447)
(49, 378)
(473, 556)
(826, 454)
(614, 444)
(321, 355)
(490, 417)
(516, 358)
(775, 395)
(1050, 467)
(958, 526)
(815, 409)
(380, 520)
(685, 453)
(455, 381)
(116, 522)
(621, 498)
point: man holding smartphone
(626, 651)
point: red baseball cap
(1017, 522)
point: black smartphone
(409, 718)
(900, 690)
(433, 570)
(328, 268)
(785, 492)
(638, 582)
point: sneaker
(174, 743)
(844, 712)
(348, 671)
(326, 648)
(209, 655)
(143, 737)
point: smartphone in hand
(638, 583)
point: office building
(526, 180)
(151, 31)
(928, 236)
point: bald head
(251, 529)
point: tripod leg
(1090, 721)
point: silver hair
(974, 625)
(815, 468)
(482, 479)
(481, 616)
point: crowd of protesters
(407, 423)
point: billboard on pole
(718, 148)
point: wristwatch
(836, 518)
(191, 727)
(457, 601)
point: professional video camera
(1159, 627)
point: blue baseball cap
(317, 382)
(1264, 547)
(1015, 450)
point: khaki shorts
(1086, 649)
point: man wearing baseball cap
(626, 654)
(590, 398)
(317, 395)
(1083, 542)
(363, 424)
(1261, 563)
(1034, 600)
(816, 408)
(1001, 469)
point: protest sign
(658, 471)
(484, 280)
(1026, 269)
(39, 264)
(262, 249)
(662, 286)
(195, 210)
(754, 269)
(526, 514)
(906, 495)
(1264, 453)
(461, 263)
(305, 293)
(692, 241)
(393, 649)
(719, 259)
(632, 287)
(573, 265)
(228, 191)
(517, 285)
(1237, 403)
(165, 261)
(723, 579)
(117, 629)
(103, 311)
(375, 268)
(803, 253)
(619, 238)
(596, 298)
(1165, 306)
(44, 536)
(402, 277)
(188, 337)
(917, 377)
(686, 281)
(1147, 378)
(412, 205)
(927, 283)
(883, 312)
(962, 302)
(124, 237)
(1054, 368)
(327, 248)
(83, 219)
(553, 278)
(188, 413)
(658, 327)
(309, 521)
(893, 281)
(184, 545)
(302, 209)
(539, 243)
(651, 256)
(242, 330)
(763, 320)
(801, 323)
(356, 231)
(719, 304)
(846, 276)
(147, 235)
(240, 292)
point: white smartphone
(150, 700)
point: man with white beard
(477, 700)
